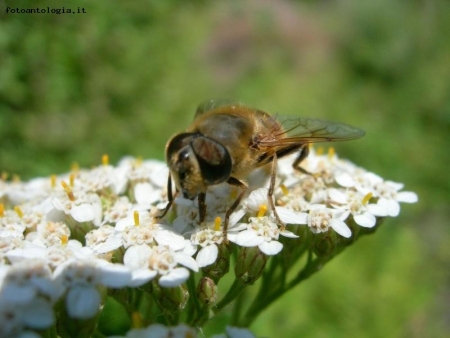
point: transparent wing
(308, 130)
(208, 105)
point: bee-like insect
(227, 141)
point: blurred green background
(123, 77)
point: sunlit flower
(321, 219)
(363, 212)
(103, 239)
(81, 279)
(82, 206)
(146, 262)
(262, 232)
(60, 235)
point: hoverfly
(227, 141)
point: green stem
(264, 298)
(193, 303)
(234, 291)
(237, 309)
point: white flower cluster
(67, 236)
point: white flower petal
(82, 302)
(137, 256)
(337, 196)
(141, 276)
(114, 275)
(190, 249)
(207, 255)
(342, 214)
(407, 197)
(270, 248)
(186, 261)
(19, 254)
(341, 228)
(377, 210)
(109, 245)
(159, 177)
(365, 219)
(237, 332)
(83, 213)
(289, 234)
(124, 222)
(237, 227)
(290, 216)
(18, 294)
(397, 186)
(97, 208)
(174, 278)
(169, 238)
(344, 180)
(392, 207)
(38, 314)
(235, 217)
(248, 238)
(145, 194)
(256, 198)
(119, 180)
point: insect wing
(309, 130)
(209, 105)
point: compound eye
(183, 164)
(213, 159)
(178, 142)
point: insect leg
(202, 207)
(170, 197)
(243, 187)
(273, 175)
(304, 151)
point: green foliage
(123, 77)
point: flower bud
(207, 291)
(221, 266)
(170, 300)
(250, 265)
(325, 243)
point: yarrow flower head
(68, 242)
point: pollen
(136, 320)
(136, 218)
(4, 176)
(284, 189)
(64, 239)
(367, 198)
(53, 181)
(331, 153)
(72, 180)
(320, 151)
(16, 178)
(105, 159)
(75, 167)
(138, 162)
(262, 210)
(68, 191)
(217, 223)
(2, 210)
(18, 211)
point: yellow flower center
(262, 210)
(217, 223)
